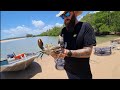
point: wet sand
(102, 67)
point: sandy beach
(2, 41)
(102, 67)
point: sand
(102, 67)
(2, 41)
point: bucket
(59, 64)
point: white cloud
(79, 17)
(94, 12)
(38, 24)
(23, 30)
(19, 31)
(58, 24)
(48, 27)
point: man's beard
(71, 24)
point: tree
(29, 35)
(104, 21)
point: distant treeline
(103, 22)
(27, 35)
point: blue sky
(20, 23)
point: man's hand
(54, 54)
(62, 54)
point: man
(79, 39)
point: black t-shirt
(82, 36)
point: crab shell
(48, 50)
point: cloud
(94, 12)
(58, 24)
(38, 24)
(79, 17)
(23, 30)
(48, 27)
(19, 31)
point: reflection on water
(25, 45)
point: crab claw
(41, 56)
(40, 44)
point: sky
(20, 23)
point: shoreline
(1, 41)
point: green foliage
(104, 28)
(104, 21)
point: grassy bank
(102, 39)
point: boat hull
(18, 64)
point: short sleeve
(89, 36)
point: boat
(17, 62)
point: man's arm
(80, 53)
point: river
(27, 45)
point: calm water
(25, 45)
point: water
(27, 45)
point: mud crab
(48, 48)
